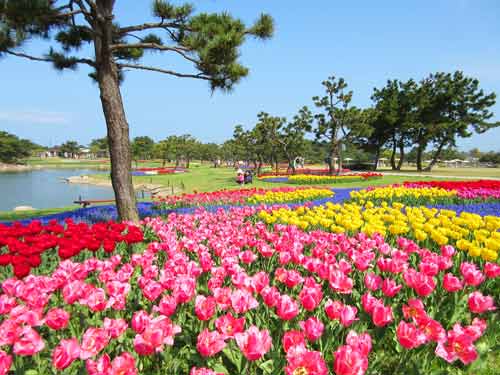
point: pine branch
(153, 25)
(47, 59)
(180, 50)
(164, 71)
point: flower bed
(23, 247)
(243, 196)
(478, 236)
(408, 195)
(156, 171)
(480, 189)
(311, 179)
(219, 293)
(306, 171)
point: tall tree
(338, 122)
(164, 150)
(70, 148)
(187, 148)
(12, 148)
(210, 42)
(211, 152)
(267, 133)
(99, 146)
(451, 106)
(291, 138)
(142, 148)
(395, 118)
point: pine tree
(210, 42)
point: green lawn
(20, 215)
(205, 178)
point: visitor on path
(240, 178)
(248, 177)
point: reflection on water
(45, 188)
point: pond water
(45, 188)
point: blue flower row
(146, 209)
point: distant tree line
(404, 122)
(13, 148)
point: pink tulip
(94, 340)
(451, 283)
(409, 336)
(349, 361)
(372, 281)
(5, 363)
(471, 274)
(57, 319)
(311, 294)
(124, 364)
(243, 301)
(361, 342)
(287, 308)
(312, 327)
(203, 371)
(390, 288)
(478, 303)
(431, 328)
(253, 343)
(140, 320)
(369, 302)
(115, 327)
(333, 309)
(96, 300)
(28, 342)
(228, 325)
(100, 367)
(270, 295)
(293, 338)
(204, 307)
(210, 343)
(348, 315)
(65, 353)
(303, 361)
(491, 270)
(382, 315)
(458, 346)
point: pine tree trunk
(401, 156)
(331, 167)
(393, 155)
(377, 157)
(114, 114)
(119, 145)
(419, 158)
(339, 154)
(435, 157)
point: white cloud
(35, 117)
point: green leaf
(219, 367)
(235, 357)
(267, 366)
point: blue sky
(366, 42)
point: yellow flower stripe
(403, 194)
(299, 195)
(469, 232)
(313, 179)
